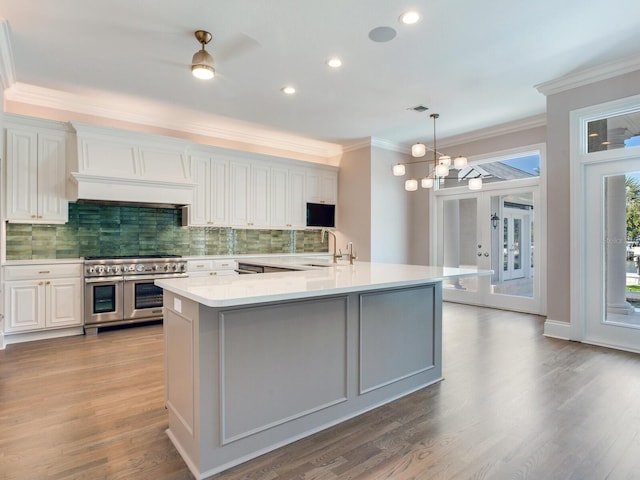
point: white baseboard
(557, 329)
(40, 335)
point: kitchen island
(254, 362)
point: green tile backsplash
(113, 230)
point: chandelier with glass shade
(441, 164)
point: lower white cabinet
(40, 297)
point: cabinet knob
(39, 216)
(40, 283)
(47, 282)
(43, 272)
(33, 216)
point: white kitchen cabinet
(322, 186)
(36, 175)
(40, 297)
(249, 194)
(287, 198)
(210, 205)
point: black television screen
(321, 215)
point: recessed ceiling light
(288, 90)
(411, 17)
(334, 62)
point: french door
(611, 306)
(494, 229)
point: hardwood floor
(513, 405)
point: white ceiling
(474, 63)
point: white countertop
(226, 291)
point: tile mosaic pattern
(113, 230)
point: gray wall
(373, 208)
(354, 201)
(559, 107)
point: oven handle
(132, 278)
(117, 279)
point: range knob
(140, 267)
(101, 269)
(155, 267)
(116, 269)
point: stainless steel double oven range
(120, 290)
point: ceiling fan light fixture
(202, 61)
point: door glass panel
(147, 295)
(619, 131)
(460, 244)
(512, 247)
(505, 246)
(507, 169)
(620, 260)
(104, 298)
(517, 224)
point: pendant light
(441, 164)
(202, 62)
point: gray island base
(247, 373)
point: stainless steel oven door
(142, 299)
(103, 300)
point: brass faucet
(352, 257)
(336, 256)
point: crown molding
(473, 136)
(374, 142)
(156, 114)
(590, 75)
(495, 131)
(7, 68)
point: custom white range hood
(117, 166)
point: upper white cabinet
(288, 198)
(211, 196)
(249, 193)
(36, 173)
(322, 186)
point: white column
(616, 236)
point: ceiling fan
(202, 64)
